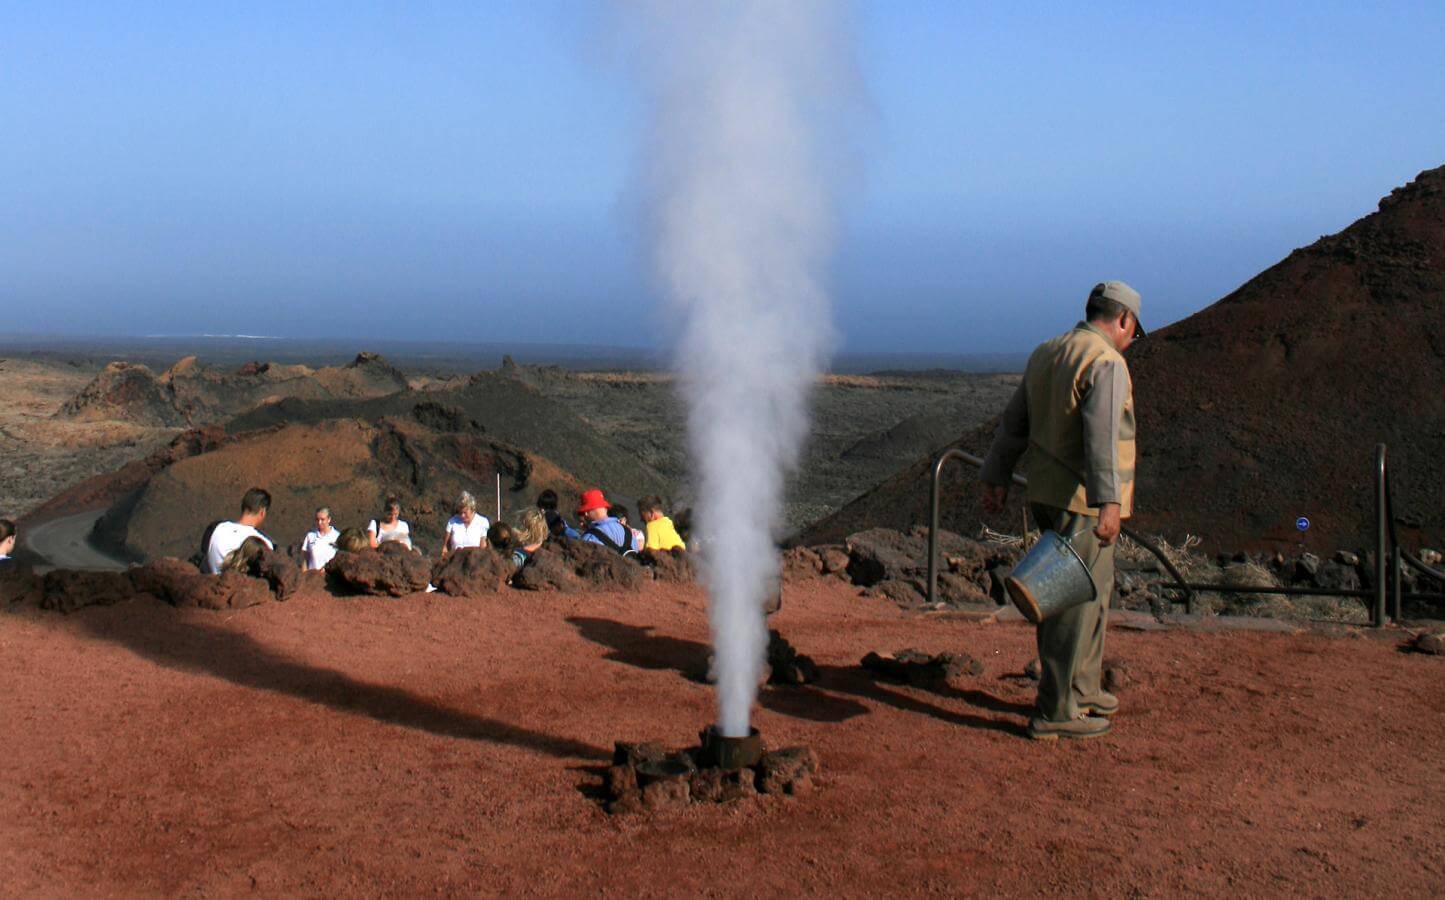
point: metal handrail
(935, 501)
(1387, 574)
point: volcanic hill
(425, 446)
(190, 394)
(1267, 405)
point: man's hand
(994, 497)
(1108, 527)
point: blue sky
(458, 170)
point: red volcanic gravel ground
(372, 746)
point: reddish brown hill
(1267, 405)
(347, 464)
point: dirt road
(63, 543)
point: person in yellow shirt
(661, 534)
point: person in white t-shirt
(390, 527)
(7, 539)
(320, 545)
(228, 536)
(466, 528)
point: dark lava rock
(923, 669)
(786, 664)
(834, 559)
(631, 753)
(787, 771)
(673, 566)
(167, 578)
(1434, 644)
(739, 785)
(666, 794)
(707, 786)
(644, 776)
(391, 570)
(620, 780)
(229, 590)
(1118, 676)
(19, 584)
(568, 565)
(1346, 558)
(471, 572)
(896, 565)
(1306, 567)
(279, 572)
(629, 802)
(801, 564)
(1033, 670)
(547, 570)
(66, 590)
(1337, 576)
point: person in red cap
(599, 527)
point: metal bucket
(1050, 580)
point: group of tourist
(233, 545)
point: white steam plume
(744, 98)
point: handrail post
(934, 501)
(1382, 550)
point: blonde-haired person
(530, 531)
(468, 528)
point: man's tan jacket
(1074, 413)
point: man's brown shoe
(1084, 726)
(1105, 704)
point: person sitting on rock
(661, 533)
(501, 538)
(601, 528)
(244, 558)
(228, 536)
(319, 545)
(7, 539)
(529, 532)
(556, 525)
(619, 512)
(353, 540)
(467, 528)
(390, 527)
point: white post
(499, 496)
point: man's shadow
(636, 645)
(180, 640)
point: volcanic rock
(787, 771)
(66, 590)
(229, 590)
(834, 558)
(168, 579)
(645, 776)
(933, 671)
(672, 566)
(1432, 643)
(568, 565)
(1235, 441)
(390, 570)
(786, 665)
(666, 794)
(1117, 675)
(19, 584)
(801, 564)
(895, 565)
(471, 572)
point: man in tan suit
(1074, 414)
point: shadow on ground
(176, 641)
(638, 646)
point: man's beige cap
(1123, 295)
